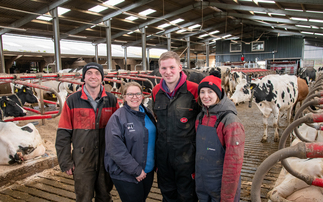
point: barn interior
(243, 33)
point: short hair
(169, 55)
(127, 85)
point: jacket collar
(85, 97)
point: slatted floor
(52, 185)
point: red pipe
(113, 80)
(50, 102)
(29, 118)
(318, 182)
(71, 81)
(38, 112)
(314, 150)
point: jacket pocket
(160, 109)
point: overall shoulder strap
(221, 117)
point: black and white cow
(10, 108)
(272, 94)
(24, 95)
(19, 143)
(234, 80)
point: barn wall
(284, 47)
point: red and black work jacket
(176, 122)
(80, 125)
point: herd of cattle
(272, 94)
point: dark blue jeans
(132, 192)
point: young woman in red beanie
(220, 142)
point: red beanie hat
(212, 81)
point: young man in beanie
(82, 123)
(220, 142)
(175, 106)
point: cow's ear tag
(53, 95)
(24, 90)
(16, 90)
(251, 87)
(4, 105)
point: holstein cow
(19, 143)
(234, 79)
(23, 95)
(293, 189)
(10, 108)
(272, 94)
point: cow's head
(242, 92)
(25, 94)
(10, 108)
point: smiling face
(133, 97)
(208, 97)
(170, 71)
(93, 78)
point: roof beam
(273, 19)
(31, 17)
(172, 14)
(177, 28)
(177, 12)
(267, 10)
(107, 17)
(315, 2)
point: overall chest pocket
(83, 119)
(185, 116)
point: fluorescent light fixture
(203, 35)
(272, 27)
(304, 26)
(315, 20)
(252, 13)
(315, 27)
(160, 32)
(307, 33)
(194, 26)
(285, 28)
(289, 9)
(45, 18)
(264, 1)
(217, 38)
(62, 11)
(113, 2)
(180, 31)
(214, 32)
(164, 25)
(131, 18)
(98, 8)
(320, 34)
(280, 14)
(259, 12)
(226, 36)
(234, 38)
(171, 22)
(212, 42)
(314, 11)
(147, 12)
(129, 33)
(299, 19)
(177, 21)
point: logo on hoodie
(183, 120)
